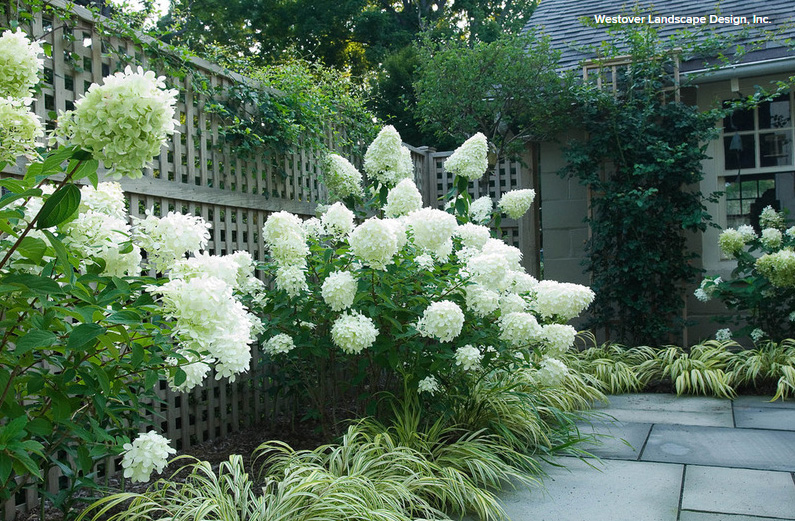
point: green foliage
(507, 89)
(768, 362)
(80, 352)
(643, 148)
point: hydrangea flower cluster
(403, 199)
(20, 64)
(473, 235)
(285, 237)
(747, 231)
(147, 453)
(770, 218)
(558, 338)
(723, 335)
(337, 220)
(757, 335)
(341, 177)
(480, 209)
(441, 320)
(520, 329)
(707, 289)
(470, 160)
(561, 300)
(468, 357)
(552, 372)
(21, 129)
(731, 241)
(196, 370)
(481, 301)
(778, 267)
(432, 229)
(107, 198)
(339, 290)
(429, 385)
(387, 160)
(353, 332)
(516, 202)
(279, 344)
(123, 122)
(374, 242)
(167, 239)
(771, 238)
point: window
(759, 138)
(747, 197)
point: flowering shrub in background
(762, 286)
(408, 299)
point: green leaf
(13, 429)
(40, 427)
(36, 283)
(60, 254)
(83, 334)
(10, 197)
(83, 168)
(180, 377)
(125, 316)
(33, 339)
(32, 248)
(52, 163)
(59, 207)
(5, 467)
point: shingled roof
(562, 21)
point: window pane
(733, 207)
(775, 149)
(739, 120)
(743, 158)
(775, 114)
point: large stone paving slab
(616, 440)
(619, 491)
(778, 418)
(721, 447)
(763, 401)
(670, 409)
(707, 516)
(739, 491)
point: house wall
(564, 206)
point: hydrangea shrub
(762, 286)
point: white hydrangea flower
(195, 369)
(791, 317)
(167, 239)
(123, 122)
(747, 232)
(20, 129)
(281, 226)
(20, 64)
(353, 332)
(516, 202)
(470, 160)
(291, 279)
(431, 227)
(337, 220)
(104, 236)
(424, 261)
(339, 290)
(512, 303)
(480, 209)
(731, 241)
(341, 177)
(701, 295)
(313, 227)
(224, 268)
(387, 160)
(522, 282)
(489, 270)
(552, 373)
(723, 335)
(771, 238)
(119, 264)
(279, 344)
(429, 385)
(770, 218)
(246, 280)
(468, 357)
(511, 253)
(403, 199)
(107, 198)
(790, 232)
(209, 320)
(481, 301)
(778, 267)
(398, 227)
(473, 235)
(147, 453)
(558, 338)
(563, 300)
(443, 252)
(441, 320)
(520, 329)
(757, 335)
(374, 242)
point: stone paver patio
(669, 458)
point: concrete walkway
(669, 458)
